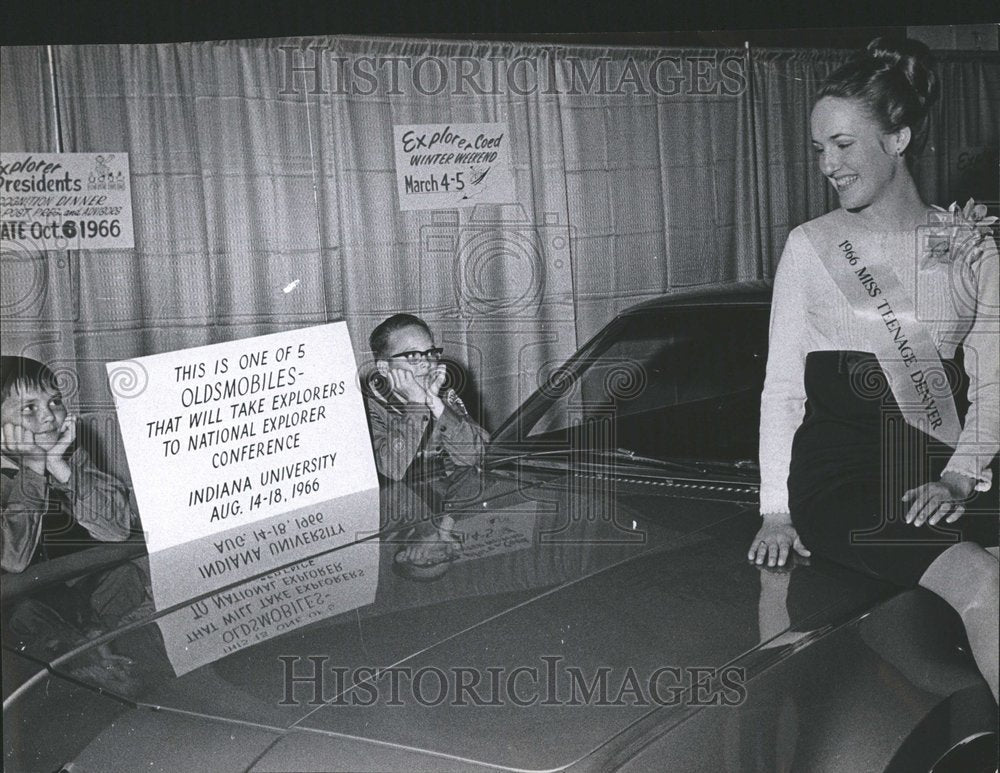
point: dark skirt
(853, 458)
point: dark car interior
(678, 383)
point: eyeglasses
(434, 353)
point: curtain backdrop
(264, 192)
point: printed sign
(443, 166)
(246, 456)
(282, 601)
(65, 201)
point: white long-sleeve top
(958, 302)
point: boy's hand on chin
(67, 434)
(435, 379)
(406, 385)
(55, 458)
(19, 443)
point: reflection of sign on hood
(255, 611)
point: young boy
(414, 425)
(54, 501)
(420, 433)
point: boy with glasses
(421, 432)
(417, 427)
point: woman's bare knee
(962, 575)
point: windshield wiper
(701, 466)
(674, 465)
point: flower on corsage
(958, 235)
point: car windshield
(675, 383)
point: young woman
(884, 332)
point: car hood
(624, 584)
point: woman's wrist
(777, 517)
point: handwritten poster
(443, 166)
(65, 201)
(247, 614)
(245, 456)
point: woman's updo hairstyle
(896, 82)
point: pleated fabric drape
(263, 203)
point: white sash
(902, 344)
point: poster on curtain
(246, 456)
(65, 201)
(444, 166)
